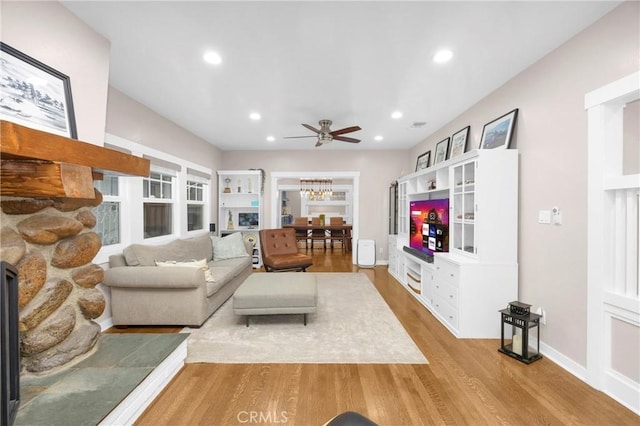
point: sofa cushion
(224, 271)
(229, 247)
(200, 264)
(177, 250)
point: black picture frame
(499, 132)
(35, 95)
(423, 161)
(459, 142)
(442, 150)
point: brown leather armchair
(280, 251)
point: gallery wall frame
(499, 132)
(442, 149)
(424, 161)
(34, 94)
(459, 142)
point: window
(158, 201)
(195, 205)
(172, 202)
(108, 213)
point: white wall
(552, 139)
(135, 122)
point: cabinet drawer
(448, 272)
(447, 292)
(446, 311)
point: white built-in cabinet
(240, 207)
(466, 287)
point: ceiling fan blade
(313, 129)
(345, 130)
(346, 139)
(319, 143)
(296, 137)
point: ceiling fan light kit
(326, 135)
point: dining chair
(302, 234)
(318, 234)
(338, 234)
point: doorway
(286, 184)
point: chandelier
(316, 189)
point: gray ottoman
(284, 293)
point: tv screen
(429, 226)
(248, 219)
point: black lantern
(518, 320)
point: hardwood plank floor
(466, 382)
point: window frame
(131, 189)
(204, 202)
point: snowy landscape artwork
(34, 95)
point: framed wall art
(423, 161)
(459, 142)
(442, 149)
(498, 133)
(35, 95)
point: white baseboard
(106, 324)
(621, 388)
(562, 360)
(141, 397)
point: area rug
(353, 324)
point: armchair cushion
(280, 250)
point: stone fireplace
(46, 198)
(51, 244)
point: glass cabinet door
(464, 207)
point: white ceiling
(299, 62)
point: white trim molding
(613, 198)
(353, 176)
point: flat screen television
(429, 226)
(249, 220)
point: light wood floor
(467, 382)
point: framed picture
(423, 161)
(498, 133)
(35, 95)
(442, 148)
(459, 142)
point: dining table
(310, 228)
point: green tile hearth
(87, 392)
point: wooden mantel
(41, 164)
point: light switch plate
(544, 216)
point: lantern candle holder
(518, 320)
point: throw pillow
(229, 247)
(200, 264)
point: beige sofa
(145, 294)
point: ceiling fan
(326, 135)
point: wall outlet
(541, 311)
(381, 250)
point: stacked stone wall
(52, 245)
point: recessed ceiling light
(378, 138)
(212, 57)
(396, 114)
(270, 138)
(255, 116)
(442, 56)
